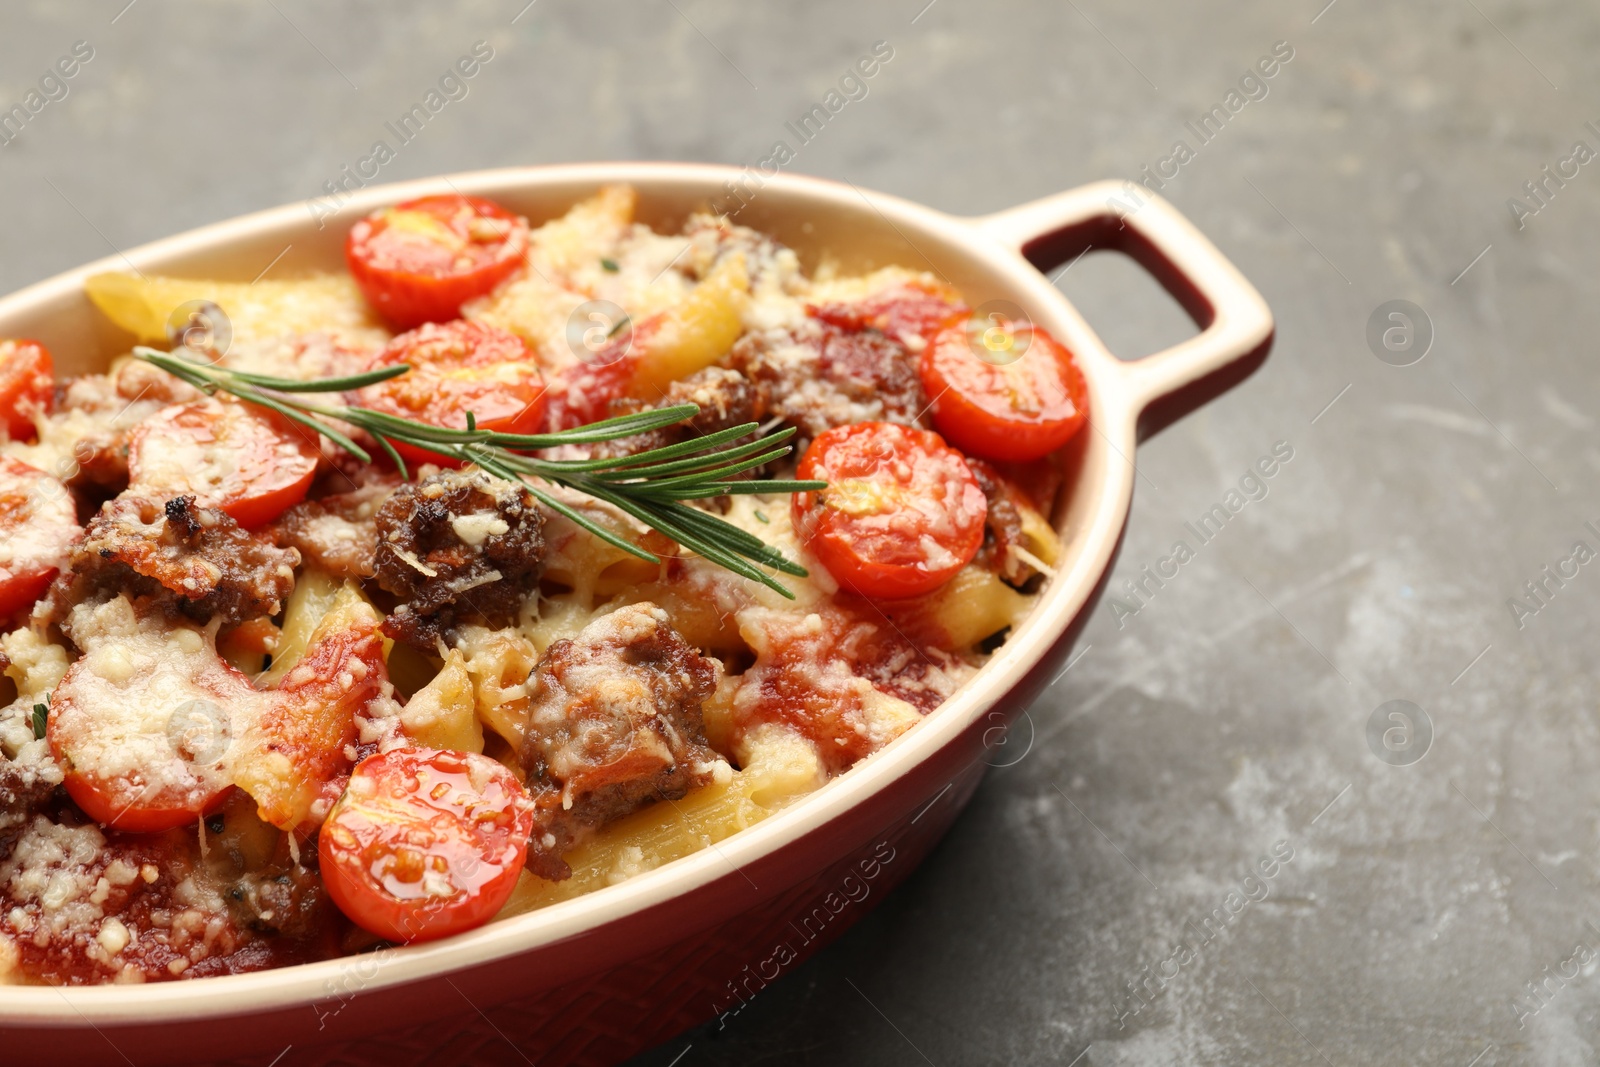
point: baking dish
(594, 979)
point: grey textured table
(1117, 865)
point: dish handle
(1235, 323)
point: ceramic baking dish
(595, 979)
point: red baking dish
(598, 978)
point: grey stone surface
(1231, 712)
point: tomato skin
(460, 820)
(108, 808)
(419, 261)
(27, 379)
(250, 462)
(457, 367)
(902, 512)
(37, 521)
(1018, 410)
(19, 594)
(898, 311)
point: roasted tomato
(1003, 391)
(249, 462)
(153, 727)
(27, 380)
(425, 843)
(900, 311)
(902, 512)
(143, 722)
(292, 753)
(457, 367)
(38, 520)
(421, 260)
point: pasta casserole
(508, 564)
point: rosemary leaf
(605, 430)
(661, 520)
(652, 486)
(773, 485)
(717, 473)
(742, 541)
(399, 461)
(317, 425)
(321, 385)
(381, 422)
(697, 462)
(599, 531)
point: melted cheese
(150, 703)
(478, 526)
(51, 876)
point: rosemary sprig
(651, 486)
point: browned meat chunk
(455, 547)
(726, 399)
(23, 793)
(614, 724)
(1003, 528)
(822, 375)
(337, 533)
(713, 238)
(187, 559)
(281, 898)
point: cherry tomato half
(425, 843)
(902, 512)
(38, 520)
(27, 381)
(1003, 391)
(142, 724)
(899, 311)
(250, 462)
(457, 367)
(421, 260)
